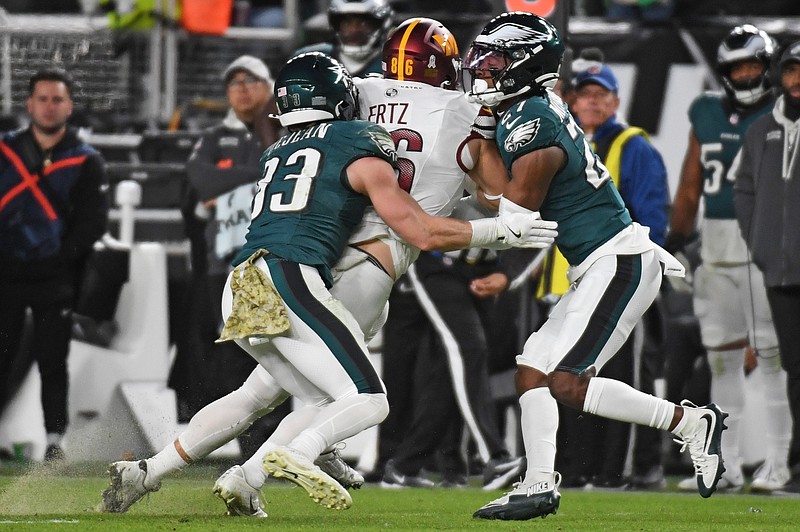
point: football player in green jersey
(615, 269)
(317, 181)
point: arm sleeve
(643, 186)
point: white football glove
(508, 207)
(519, 230)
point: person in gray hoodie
(767, 200)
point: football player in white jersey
(431, 125)
(363, 277)
(438, 151)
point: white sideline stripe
(456, 363)
(31, 522)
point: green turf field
(64, 497)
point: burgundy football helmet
(422, 50)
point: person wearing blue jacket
(634, 163)
(53, 207)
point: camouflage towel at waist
(257, 309)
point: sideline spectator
(644, 10)
(767, 194)
(53, 207)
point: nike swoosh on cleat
(709, 423)
(295, 475)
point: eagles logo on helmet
(518, 52)
(745, 43)
(422, 50)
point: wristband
(485, 233)
(509, 207)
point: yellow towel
(257, 310)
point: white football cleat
(525, 501)
(287, 463)
(770, 476)
(702, 435)
(127, 486)
(333, 464)
(239, 497)
(725, 484)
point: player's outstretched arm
(376, 178)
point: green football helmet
(313, 87)
(520, 52)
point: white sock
(166, 461)
(539, 418)
(613, 399)
(339, 420)
(253, 470)
(289, 427)
(218, 423)
(727, 391)
(54, 438)
(779, 421)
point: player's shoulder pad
(374, 139)
(707, 100)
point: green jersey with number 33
(304, 209)
(581, 198)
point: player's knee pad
(381, 405)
